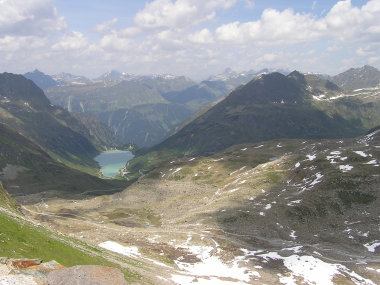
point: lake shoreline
(112, 161)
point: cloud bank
(189, 37)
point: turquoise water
(111, 161)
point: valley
(274, 183)
(260, 213)
(189, 142)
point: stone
(26, 271)
(17, 280)
(4, 269)
(86, 275)
(25, 263)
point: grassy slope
(6, 201)
(22, 239)
(19, 238)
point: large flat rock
(86, 275)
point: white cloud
(364, 51)
(71, 41)
(269, 57)
(274, 27)
(32, 17)
(14, 44)
(106, 27)
(130, 32)
(343, 23)
(202, 37)
(179, 14)
(249, 4)
(313, 5)
(189, 36)
(114, 42)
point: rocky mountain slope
(356, 78)
(110, 97)
(270, 106)
(25, 108)
(146, 124)
(101, 135)
(276, 212)
(26, 168)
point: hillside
(356, 78)
(25, 108)
(113, 95)
(145, 125)
(256, 213)
(6, 201)
(117, 98)
(23, 239)
(99, 133)
(42, 80)
(25, 168)
(118, 101)
(270, 106)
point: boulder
(86, 275)
(19, 280)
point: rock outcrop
(86, 275)
(36, 272)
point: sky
(195, 38)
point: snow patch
(219, 159)
(178, 169)
(317, 179)
(345, 168)
(311, 157)
(314, 270)
(294, 202)
(131, 251)
(234, 190)
(361, 153)
(371, 246)
(210, 267)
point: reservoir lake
(111, 161)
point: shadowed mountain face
(147, 124)
(268, 107)
(25, 108)
(26, 168)
(40, 79)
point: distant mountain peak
(41, 79)
(298, 77)
(356, 78)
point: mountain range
(271, 106)
(356, 78)
(115, 93)
(275, 182)
(43, 146)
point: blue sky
(195, 38)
